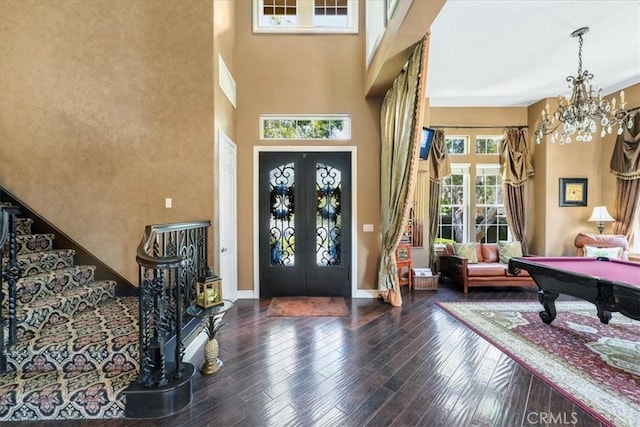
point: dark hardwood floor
(409, 366)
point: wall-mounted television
(425, 142)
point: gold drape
(625, 160)
(439, 168)
(401, 131)
(516, 167)
(515, 160)
(419, 208)
(625, 165)
(439, 165)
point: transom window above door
(326, 127)
(305, 16)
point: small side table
(212, 363)
(403, 261)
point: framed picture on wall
(573, 192)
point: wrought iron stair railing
(10, 275)
(171, 258)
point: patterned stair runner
(77, 346)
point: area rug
(596, 366)
(307, 307)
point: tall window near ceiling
(305, 16)
(279, 13)
(322, 126)
(330, 13)
(488, 144)
(457, 144)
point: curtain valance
(515, 160)
(625, 161)
(439, 164)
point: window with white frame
(457, 144)
(490, 217)
(635, 242)
(452, 220)
(300, 127)
(488, 223)
(305, 16)
(488, 144)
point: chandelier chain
(580, 42)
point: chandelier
(581, 111)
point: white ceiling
(517, 52)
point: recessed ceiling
(517, 52)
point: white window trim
(634, 249)
(464, 170)
(305, 22)
(345, 117)
(226, 81)
(491, 167)
(498, 137)
(466, 145)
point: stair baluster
(11, 275)
(171, 257)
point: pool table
(612, 285)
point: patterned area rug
(307, 307)
(595, 365)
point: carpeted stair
(77, 346)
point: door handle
(223, 250)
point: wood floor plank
(413, 365)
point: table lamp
(600, 215)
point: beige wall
(305, 74)
(537, 226)
(575, 160)
(106, 109)
(551, 228)
(224, 114)
(409, 23)
(484, 118)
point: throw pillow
(466, 250)
(602, 252)
(507, 250)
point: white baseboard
(195, 345)
(361, 293)
(366, 293)
(247, 295)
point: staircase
(77, 345)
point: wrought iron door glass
(282, 226)
(328, 215)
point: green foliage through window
(306, 128)
(490, 219)
(488, 144)
(456, 144)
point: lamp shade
(600, 214)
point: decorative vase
(211, 362)
(211, 350)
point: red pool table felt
(624, 272)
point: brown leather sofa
(487, 272)
(601, 241)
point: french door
(304, 223)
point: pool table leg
(603, 315)
(548, 301)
